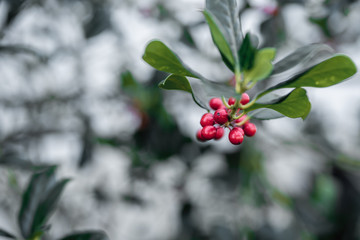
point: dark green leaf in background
(88, 235)
(6, 234)
(159, 56)
(294, 105)
(12, 159)
(48, 205)
(128, 81)
(38, 201)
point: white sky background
(93, 66)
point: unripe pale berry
(219, 133)
(199, 136)
(231, 101)
(207, 120)
(236, 137)
(216, 103)
(208, 132)
(221, 116)
(244, 99)
(249, 129)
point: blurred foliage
(330, 210)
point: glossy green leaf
(219, 40)
(303, 55)
(247, 53)
(226, 16)
(265, 114)
(262, 66)
(87, 235)
(293, 105)
(6, 234)
(175, 82)
(202, 90)
(39, 201)
(159, 56)
(327, 73)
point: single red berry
(216, 103)
(207, 120)
(199, 136)
(208, 132)
(236, 136)
(241, 119)
(221, 116)
(231, 101)
(239, 129)
(244, 99)
(219, 133)
(249, 129)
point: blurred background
(75, 92)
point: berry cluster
(226, 115)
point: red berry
(207, 120)
(236, 136)
(244, 99)
(216, 103)
(199, 136)
(221, 116)
(219, 133)
(249, 129)
(241, 119)
(231, 101)
(208, 132)
(239, 129)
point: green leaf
(159, 56)
(47, 206)
(202, 90)
(293, 105)
(88, 235)
(220, 41)
(6, 234)
(327, 73)
(175, 82)
(39, 201)
(128, 81)
(226, 17)
(265, 114)
(12, 159)
(262, 65)
(303, 55)
(247, 53)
